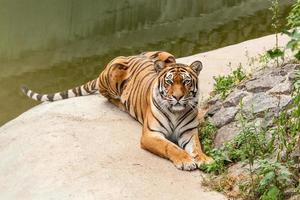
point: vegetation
(294, 34)
(292, 30)
(271, 166)
(275, 53)
(267, 152)
(224, 84)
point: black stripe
(160, 123)
(183, 117)
(64, 95)
(79, 91)
(162, 111)
(50, 97)
(189, 121)
(122, 85)
(108, 85)
(74, 91)
(31, 94)
(188, 141)
(93, 84)
(187, 131)
(155, 130)
(136, 86)
(39, 97)
(156, 54)
(138, 96)
(86, 88)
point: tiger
(159, 93)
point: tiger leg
(117, 103)
(191, 144)
(156, 143)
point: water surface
(54, 45)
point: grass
(224, 84)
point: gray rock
(224, 116)
(292, 76)
(284, 100)
(263, 83)
(261, 122)
(259, 102)
(213, 109)
(238, 169)
(214, 100)
(227, 133)
(282, 88)
(234, 98)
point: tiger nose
(177, 96)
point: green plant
(220, 161)
(288, 125)
(223, 84)
(249, 144)
(276, 52)
(264, 59)
(273, 179)
(294, 34)
(207, 133)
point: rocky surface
(86, 148)
(260, 97)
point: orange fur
(128, 82)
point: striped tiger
(159, 93)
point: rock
(234, 98)
(224, 116)
(86, 148)
(227, 133)
(238, 170)
(214, 100)
(284, 100)
(296, 151)
(259, 102)
(261, 122)
(213, 109)
(291, 73)
(281, 88)
(292, 76)
(263, 83)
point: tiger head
(177, 87)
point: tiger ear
(196, 66)
(159, 65)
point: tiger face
(178, 86)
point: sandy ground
(85, 148)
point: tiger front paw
(186, 164)
(203, 160)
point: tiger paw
(187, 164)
(203, 160)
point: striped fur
(83, 90)
(159, 93)
(163, 96)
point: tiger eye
(187, 82)
(168, 81)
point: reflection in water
(54, 45)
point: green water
(52, 45)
